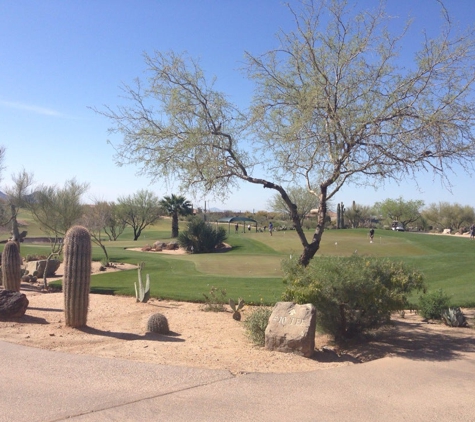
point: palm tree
(174, 206)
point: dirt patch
(117, 329)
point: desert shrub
(351, 294)
(256, 324)
(215, 300)
(431, 305)
(201, 237)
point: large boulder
(39, 266)
(12, 304)
(172, 246)
(291, 329)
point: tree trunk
(310, 249)
(15, 230)
(105, 252)
(175, 224)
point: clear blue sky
(59, 57)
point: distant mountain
(30, 197)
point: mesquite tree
(333, 105)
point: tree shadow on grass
(170, 337)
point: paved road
(40, 385)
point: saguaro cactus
(11, 267)
(77, 275)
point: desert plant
(351, 294)
(236, 307)
(77, 275)
(158, 323)
(454, 317)
(256, 324)
(11, 267)
(201, 237)
(431, 305)
(214, 300)
(142, 293)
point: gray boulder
(12, 304)
(39, 266)
(291, 329)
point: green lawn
(251, 270)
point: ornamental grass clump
(77, 275)
(201, 237)
(351, 294)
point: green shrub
(256, 324)
(201, 237)
(351, 294)
(433, 304)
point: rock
(158, 245)
(447, 231)
(39, 266)
(172, 246)
(12, 304)
(291, 329)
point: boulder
(291, 329)
(158, 245)
(172, 246)
(39, 266)
(12, 304)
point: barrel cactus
(158, 323)
(11, 267)
(77, 275)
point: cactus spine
(11, 267)
(77, 275)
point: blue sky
(58, 58)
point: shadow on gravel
(413, 339)
(170, 337)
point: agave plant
(454, 317)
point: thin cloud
(31, 108)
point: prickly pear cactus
(11, 267)
(77, 275)
(158, 323)
(236, 307)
